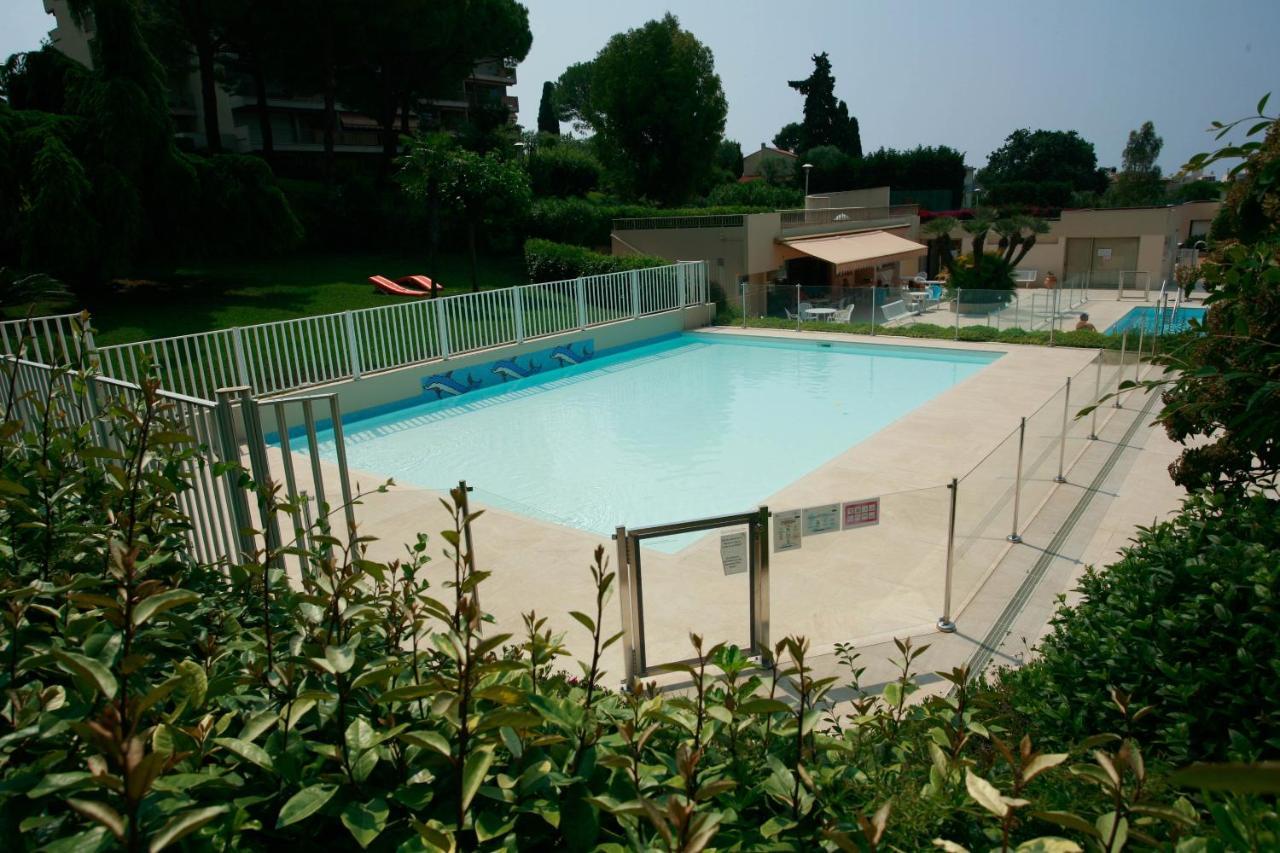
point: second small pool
(1149, 320)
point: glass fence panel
(936, 310)
(985, 498)
(865, 568)
(693, 583)
(1041, 452)
(535, 564)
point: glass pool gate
(746, 546)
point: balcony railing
(841, 215)
(732, 220)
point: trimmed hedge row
(550, 261)
(588, 223)
(974, 334)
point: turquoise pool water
(1148, 319)
(689, 426)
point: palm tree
(937, 233)
(1018, 234)
(978, 227)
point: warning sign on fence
(786, 530)
(733, 552)
(821, 519)
(864, 513)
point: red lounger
(420, 282)
(388, 286)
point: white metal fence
(33, 394)
(277, 357)
(56, 339)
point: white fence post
(681, 282)
(517, 307)
(442, 328)
(242, 366)
(582, 303)
(353, 343)
(635, 293)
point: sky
(931, 72)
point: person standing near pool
(1083, 324)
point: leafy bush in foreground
(150, 700)
(1186, 620)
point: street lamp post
(806, 167)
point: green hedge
(550, 261)
(563, 170)
(589, 223)
(1184, 622)
(975, 334)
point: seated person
(1083, 324)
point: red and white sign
(861, 513)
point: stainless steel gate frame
(630, 583)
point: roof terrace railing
(839, 215)
(721, 220)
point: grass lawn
(217, 296)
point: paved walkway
(1121, 481)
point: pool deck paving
(862, 586)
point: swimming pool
(1148, 319)
(684, 427)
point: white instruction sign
(821, 519)
(786, 530)
(733, 552)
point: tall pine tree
(547, 121)
(826, 119)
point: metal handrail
(832, 215)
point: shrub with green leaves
(548, 261)
(1187, 621)
(563, 170)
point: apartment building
(297, 120)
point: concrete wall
(1158, 230)
(724, 249)
(869, 197)
(405, 383)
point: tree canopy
(1042, 167)
(1139, 182)
(481, 189)
(656, 104)
(100, 189)
(920, 168)
(826, 118)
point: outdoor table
(820, 313)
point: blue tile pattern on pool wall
(452, 383)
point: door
(1104, 259)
